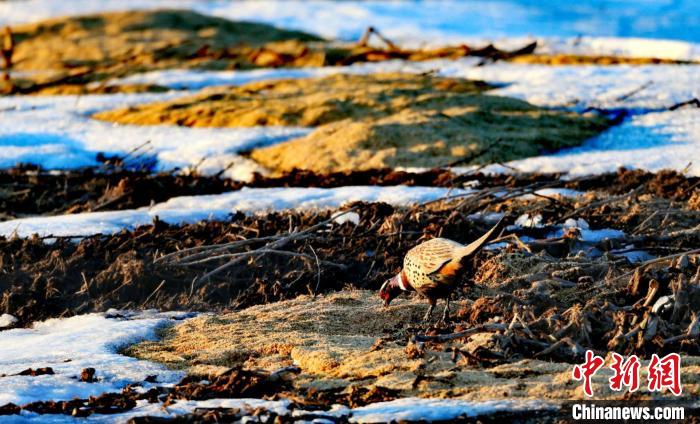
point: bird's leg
(426, 317)
(446, 311)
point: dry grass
(333, 339)
(573, 59)
(64, 54)
(393, 120)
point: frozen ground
(191, 209)
(62, 345)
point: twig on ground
(205, 254)
(692, 102)
(318, 273)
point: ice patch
(190, 209)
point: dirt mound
(395, 120)
(77, 55)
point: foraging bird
(432, 269)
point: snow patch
(655, 141)
(190, 209)
(71, 344)
(634, 88)
(418, 409)
(406, 409)
(56, 132)
(7, 320)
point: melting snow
(70, 345)
(417, 409)
(56, 132)
(409, 409)
(655, 141)
(635, 88)
(189, 209)
(7, 320)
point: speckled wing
(431, 255)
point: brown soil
(30, 191)
(41, 280)
(349, 348)
(346, 342)
(395, 120)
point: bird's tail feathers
(477, 244)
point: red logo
(626, 373)
(664, 373)
(587, 370)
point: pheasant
(432, 269)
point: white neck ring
(402, 283)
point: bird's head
(390, 289)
